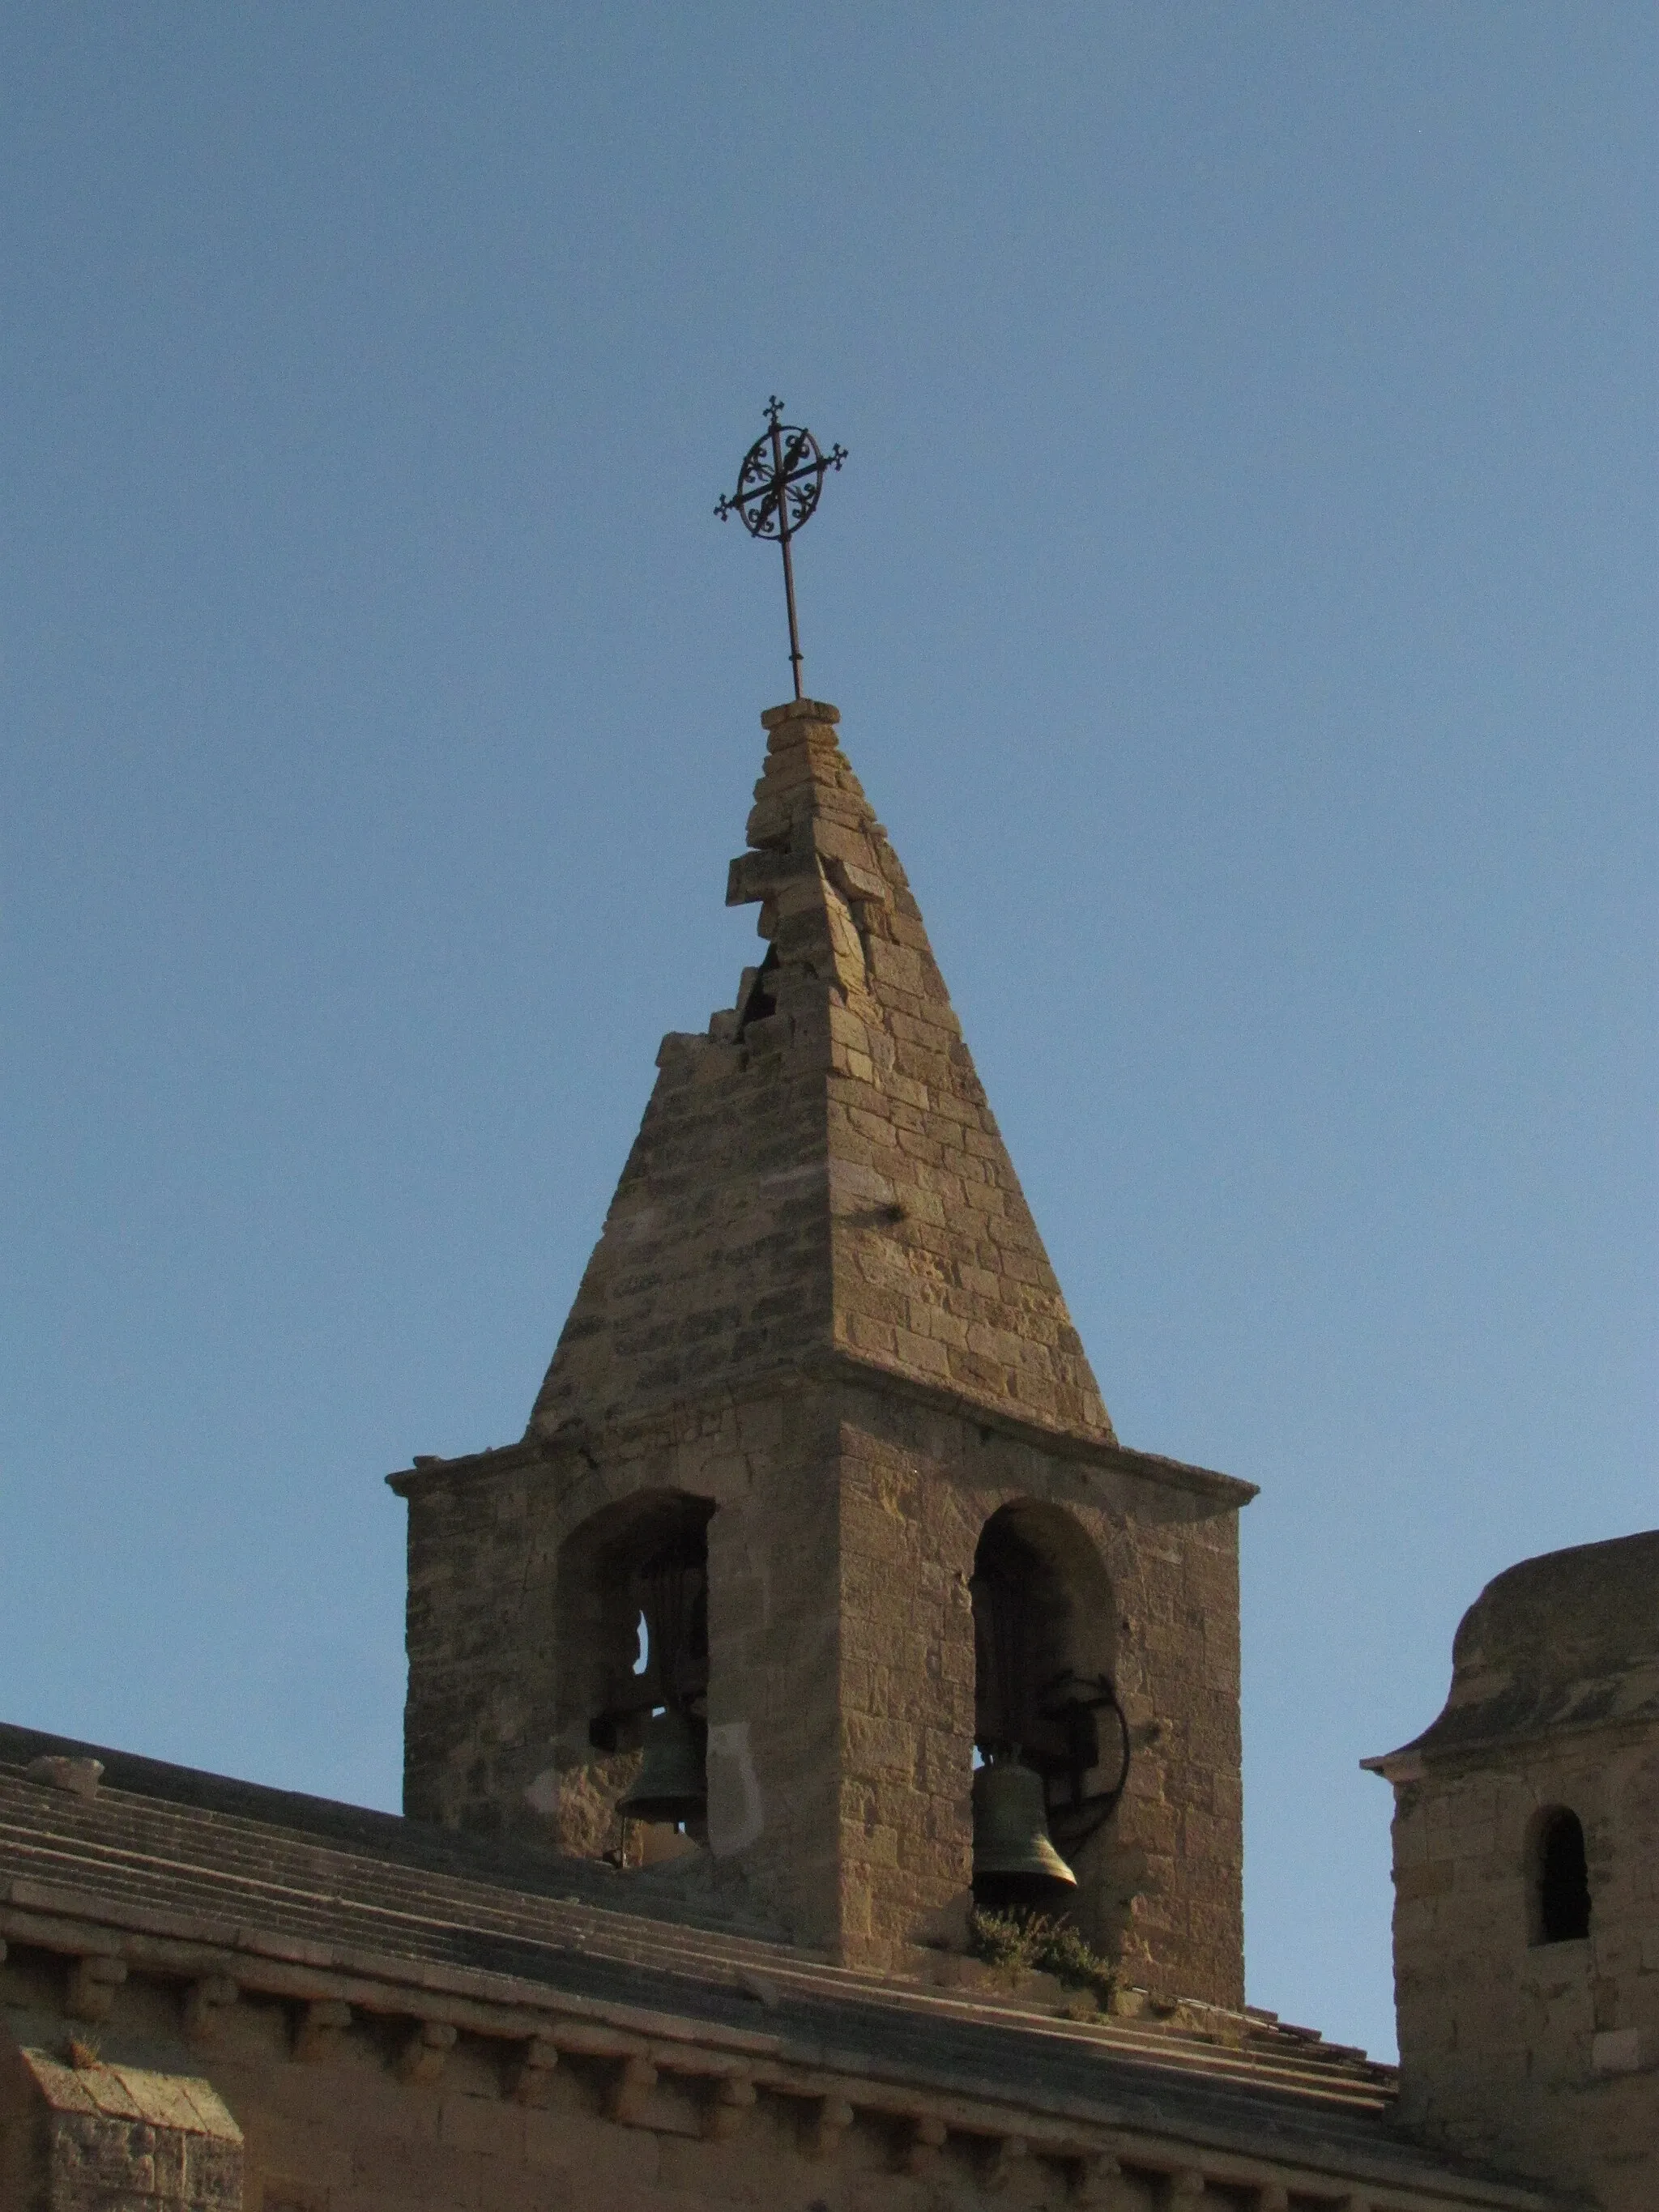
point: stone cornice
(1413, 1761)
(860, 1371)
(849, 1370)
(197, 1954)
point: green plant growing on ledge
(1033, 1941)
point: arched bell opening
(634, 1678)
(1051, 1748)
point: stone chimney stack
(817, 1364)
(1526, 1856)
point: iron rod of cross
(766, 494)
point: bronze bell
(671, 1783)
(1014, 1862)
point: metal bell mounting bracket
(609, 1730)
(1074, 1701)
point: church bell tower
(819, 1533)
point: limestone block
(93, 1982)
(80, 1777)
(635, 2079)
(1098, 2184)
(1618, 2051)
(733, 2101)
(1008, 2158)
(924, 2139)
(829, 2121)
(421, 2060)
(205, 2004)
(529, 2078)
(321, 2032)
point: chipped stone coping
(509, 2008)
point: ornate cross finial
(778, 488)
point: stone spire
(819, 1178)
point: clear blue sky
(1240, 601)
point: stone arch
(1043, 1606)
(1045, 1649)
(644, 1558)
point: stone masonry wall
(713, 1265)
(818, 1263)
(479, 1634)
(838, 1088)
(490, 1744)
(1160, 1885)
(840, 1703)
(1542, 2058)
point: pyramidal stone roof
(819, 1178)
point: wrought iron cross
(778, 488)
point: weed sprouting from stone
(1017, 1942)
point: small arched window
(1561, 1894)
